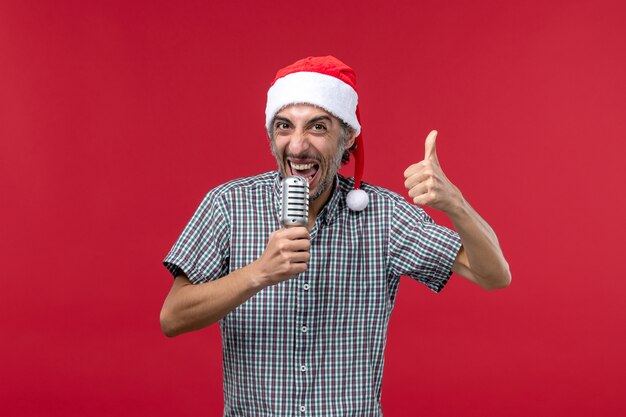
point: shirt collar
(278, 191)
(329, 211)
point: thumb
(431, 150)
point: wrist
(256, 277)
(459, 208)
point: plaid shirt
(312, 345)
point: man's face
(307, 141)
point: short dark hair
(346, 131)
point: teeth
(302, 166)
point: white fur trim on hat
(325, 91)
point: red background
(117, 117)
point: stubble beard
(333, 167)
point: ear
(350, 140)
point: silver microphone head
(295, 207)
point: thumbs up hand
(428, 185)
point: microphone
(295, 207)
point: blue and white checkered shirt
(312, 345)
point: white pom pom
(357, 200)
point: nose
(298, 143)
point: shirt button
(306, 287)
(304, 329)
(303, 368)
(302, 408)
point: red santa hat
(328, 83)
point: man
(303, 311)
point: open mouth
(307, 170)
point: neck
(316, 206)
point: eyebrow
(316, 119)
(280, 119)
(319, 119)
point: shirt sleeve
(421, 249)
(202, 251)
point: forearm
(190, 307)
(482, 257)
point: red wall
(116, 117)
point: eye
(281, 125)
(319, 127)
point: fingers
(291, 239)
(419, 189)
(299, 257)
(430, 156)
(430, 149)
(293, 232)
(426, 199)
(291, 243)
(421, 179)
(287, 254)
(298, 245)
(426, 182)
(420, 175)
(418, 169)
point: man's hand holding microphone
(287, 251)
